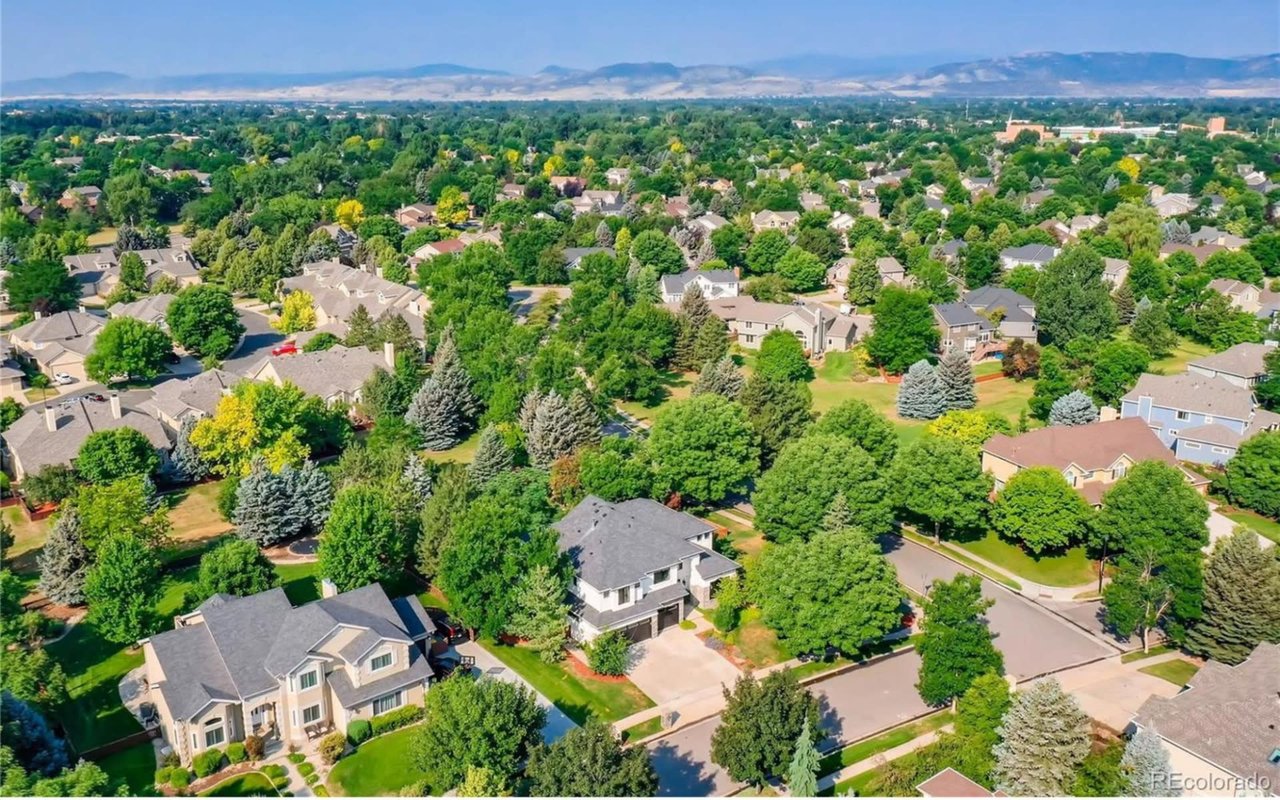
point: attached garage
(639, 631)
(668, 616)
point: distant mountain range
(1028, 75)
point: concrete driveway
(854, 705)
(259, 338)
(677, 664)
(1034, 641)
(1112, 692)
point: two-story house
(1202, 419)
(774, 220)
(962, 328)
(99, 273)
(819, 329)
(241, 666)
(1013, 314)
(1243, 364)
(337, 290)
(1029, 255)
(714, 283)
(639, 567)
(336, 375)
(58, 343)
(1090, 457)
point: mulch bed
(582, 670)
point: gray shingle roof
(1029, 253)
(955, 314)
(1243, 360)
(617, 545)
(1215, 396)
(350, 696)
(37, 447)
(1226, 716)
(674, 284)
(1014, 304)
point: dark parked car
(451, 631)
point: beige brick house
(240, 666)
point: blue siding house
(1202, 419)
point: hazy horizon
(149, 38)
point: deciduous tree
(590, 761)
(128, 348)
(793, 494)
(121, 588)
(955, 645)
(1040, 511)
(760, 725)
(703, 449)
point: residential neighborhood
(748, 442)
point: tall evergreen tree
(492, 458)
(1045, 737)
(711, 343)
(263, 505)
(64, 560)
(436, 416)
(361, 330)
(417, 477)
(1073, 408)
(802, 775)
(529, 409)
(540, 612)
(920, 393)
(310, 493)
(720, 377)
(693, 315)
(1146, 767)
(449, 372)
(586, 420)
(185, 462)
(1241, 600)
(554, 431)
(604, 236)
(955, 375)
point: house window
(311, 714)
(662, 575)
(1222, 451)
(624, 595)
(381, 662)
(1183, 416)
(214, 735)
(308, 680)
(384, 704)
(1120, 471)
(1191, 445)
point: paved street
(259, 338)
(1033, 640)
(854, 705)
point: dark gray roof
(676, 283)
(1029, 253)
(617, 545)
(954, 314)
(245, 644)
(999, 297)
(1226, 716)
(413, 617)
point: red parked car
(286, 349)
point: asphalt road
(1033, 640)
(855, 704)
(259, 338)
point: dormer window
(381, 662)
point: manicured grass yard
(744, 538)
(1186, 352)
(94, 666)
(301, 582)
(247, 784)
(1071, 568)
(464, 453)
(136, 767)
(754, 642)
(642, 729)
(679, 386)
(1138, 655)
(578, 696)
(927, 541)
(1176, 671)
(886, 741)
(1266, 526)
(381, 767)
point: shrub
(313, 779)
(390, 721)
(171, 760)
(331, 747)
(280, 782)
(207, 762)
(162, 775)
(358, 731)
(320, 791)
(254, 747)
(179, 778)
(608, 654)
(274, 771)
(237, 752)
(306, 768)
(296, 758)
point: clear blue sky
(41, 38)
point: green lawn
(246, 784)
(1186, 352)
(642, 729)
(678, 384)
(1266, 526)
(1176, 671)
(579, 697)
(886, 741)
(135, 767)
(94, 666)
(927, 541)
(301, 582)
(381, 767)
(464, 453)
(754, 642)
(1071, 568)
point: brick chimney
(115, 405)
